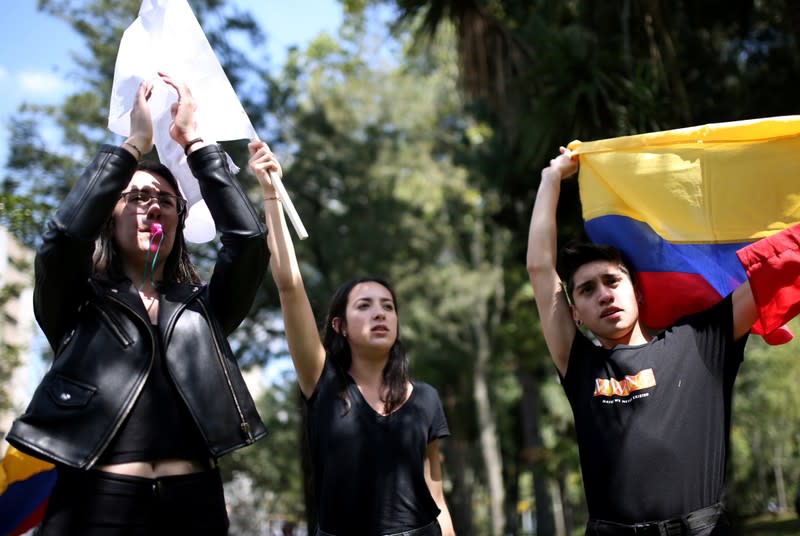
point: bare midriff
(155, 469)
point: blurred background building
(20, 339)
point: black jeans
(95, 503)
(431, 529)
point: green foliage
(274, 462)
(418, 159)
(81, 119)
(374, 138)
(368, 136)
(766, 423)
(27, 202)
(539, 74)
(9, 353)
(772, 525)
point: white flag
(166, 37)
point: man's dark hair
(576, 254)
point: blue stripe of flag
(23, 497)
(648, 252)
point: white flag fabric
(166, 37)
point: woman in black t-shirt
(373, 432)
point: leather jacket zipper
(138, 389)
(243, 424)
(114, 326)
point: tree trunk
(761, 473)
(566, 507)
(558, 509)
(511, 479)
(456, 451)
(490, 448)
(780, 484)
(482, 323)
(533, 452)
(657, 29)
(460, 500)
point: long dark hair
(178, 267)
(395, 372)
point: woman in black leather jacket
(144, 392)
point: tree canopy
(412, 150)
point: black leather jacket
(101, 334)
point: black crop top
(159, 425)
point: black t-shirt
(653, 420)
(368, 468)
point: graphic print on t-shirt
(629, 384)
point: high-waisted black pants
(95, 503)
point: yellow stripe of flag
(723, 182)
(18, 466)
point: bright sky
(36, 61)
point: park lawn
(782, 525)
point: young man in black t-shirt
(652, 413)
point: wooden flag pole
(288, 206)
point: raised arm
(744, 310)
(242, 261)
(551, 302)
(64, 258)
(302, 335)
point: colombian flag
(25, 485)
(689, 209)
